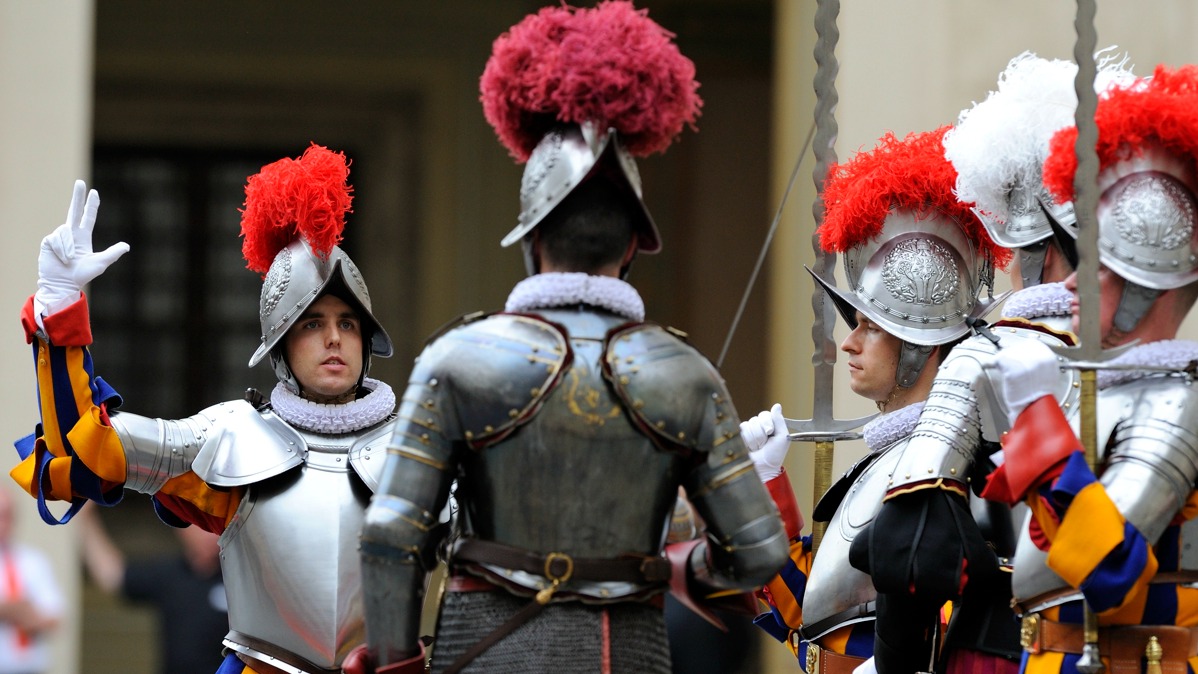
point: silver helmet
(999, 145)
(298, 277)
(1146, 216)
(565, 157)
(920, 279)
(1146, 228)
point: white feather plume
(1003, 141)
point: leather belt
(561, 566)
(1124, 645)
(823, 661)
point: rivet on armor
(929, 471)
(513, 413)
(681, 435)
(469, 435)
(635, 370)
(660, 424)
(488, 429)
(907, 476)
(532, 359)
(424, 438)
(730, 454)
(536, 391)
(1077, 384)
(604, 592)
(338, 459)
(952, 471)
(1066, 405)
(629, 360)
(638, 404)
(432, 382)
(551, 368)
(624, 379)
(535, 349)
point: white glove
(1028, 373)
(866, 667)
(66, 262)
(765, 436)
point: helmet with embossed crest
(293, 218)
(1148, 185)
(915, 258)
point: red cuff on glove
(69, 327)
(784, 497)
(1034, 452)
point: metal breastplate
(290, 557)
(1147, 428)
(833, 585)
(579, 459)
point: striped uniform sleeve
(75, 454)
(1089, 542)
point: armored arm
(412, 491)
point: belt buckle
(1029, 633)
(813, 659)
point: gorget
(836, 592)
(1048, 304)
(564, 289)
(349, 417)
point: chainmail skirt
(566, 637)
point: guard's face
(324, 351)
(1110, 290)
(873, 359)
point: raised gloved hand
(765, 436)
(1027, 374)
(66, 261)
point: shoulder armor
(246, 446)
(516, 360)
(369, 453)
(963, 408)
(1152, 459)
(669, 388)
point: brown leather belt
(559, 565)
(1124, 645)
(824, 661)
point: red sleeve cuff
(784, 497)
(1033, 452)
(69, 327)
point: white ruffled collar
(1039, 301)
(560, 289)
(1174, 354)
(348, 417)
(887, 428)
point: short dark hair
(591, 227)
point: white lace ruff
(1039, 301)
(887, 428)
(344, 418)
(1174, 354)
(559, 289)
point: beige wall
(45, 136)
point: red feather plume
(307, 197)
(1161, 109)
(612, 65)
(910, 174)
